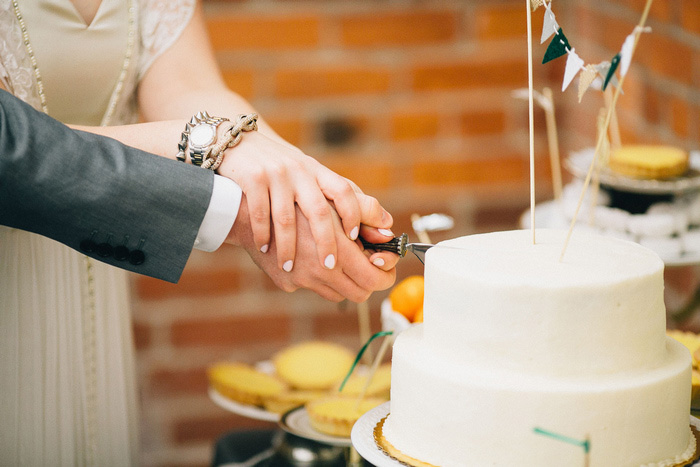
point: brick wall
(412, 100)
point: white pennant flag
(550, 26)
(574, 64)
(626, 54)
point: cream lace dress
(67, 372)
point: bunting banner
(535, 4)
(585, 79)
(575, 65)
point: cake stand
(363, 438)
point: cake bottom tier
(455, 415)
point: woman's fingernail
(264, 248)
(385, 216)
(386, 232)
(288, 265)
(379, 262)
(329, 262)
(354, 233)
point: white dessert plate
(548, 215)
(578, 164)
(363, 438)
(297, 422)
(250, 411)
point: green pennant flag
(614, 63)
(557, 47)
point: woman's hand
(354, 277)
(276, 178)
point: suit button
(105, 250)
(137, 257)
(121, 253)
(87, 245)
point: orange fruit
(418, 318)
(407, 296)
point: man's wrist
(220, 216)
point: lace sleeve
(161, 24)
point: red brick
(260, 32)
(690, 15)
(236, 330)
(680, 117)
(289, 129)
(406, 126)
(204, 282)
(142, 335)
(470, 75)
(165, 381)
(210, 429)
(479, 123)
(241, 81)
(370, 173)
(329, 325)
(500, 170)
(659, 11)
(652, 105)
(331, 81)
(507, 21)
(404, 28)
(666, 56)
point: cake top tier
(511, 259)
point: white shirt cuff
(221, 214)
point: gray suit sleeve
(117, 204)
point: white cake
(515, 339)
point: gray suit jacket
(119, 205)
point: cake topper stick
(364, 326)
(638, 30)
(615, 137)
(553, 142)
(386, 343)
(531, 119)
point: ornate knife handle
(396, 245)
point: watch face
(202, 135)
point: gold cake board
(373, 424)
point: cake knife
(400, 246)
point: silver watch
(202, 135)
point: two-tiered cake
(516, 342)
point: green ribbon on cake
(585, 444)
(360, 353)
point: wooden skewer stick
(606, 125)
(615, 138)
(422, 234)
(531, 114)
(386, 343)
(363, 317)
(553, 142)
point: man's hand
(354, 278)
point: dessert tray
(550, 214)
(363, 438)
(297, 422)
(579, 162)
(246, 410)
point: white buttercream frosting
(515, 339)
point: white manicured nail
(264, 248)
(354, 233)
(386, 232)
(379, 262)
(329, 262)
(287, 266)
